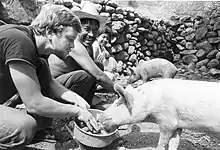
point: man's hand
(82, 103)
(85, 116)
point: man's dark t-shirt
(17, 43)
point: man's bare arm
(81, 56)
(27, 84)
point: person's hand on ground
(85, 116)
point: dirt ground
(142, 136)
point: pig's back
(193, 101)
(157, 66)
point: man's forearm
(67, 96)
(106, 83)
(51, 108)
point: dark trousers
(78, 80)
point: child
(101, 54)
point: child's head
(104, 35)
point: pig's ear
(129, 100)
(119, 89)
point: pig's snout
(107, 123)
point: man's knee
(83, 77)
(17, 128)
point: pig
(175, 104)
(157, 67)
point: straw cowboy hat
(89, 10)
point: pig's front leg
(167, 123)
(175, 139)
(165, 135)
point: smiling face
(62, 42)
(89, 31)
(103, 39)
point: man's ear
(49, 33)
(129, 99)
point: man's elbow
(35, 107)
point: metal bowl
(94, 140)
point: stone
(214, 63)
(214, 40)
(202, 63)
(218, 55)
(131, 49)
(192, 66)
(143, 48)
(201, 54)
(122, 56)
(189, 45)
(109, 9)
(181, 48)
(205, 45)
(200, 33)
(211, 34)
(119, 10)
(217, 25)
(190, 37)
(150, 43)
(116, 48)
(214, 72)
(187, 59)
(18, 11)
(212, 54)
(118, 26)
(203, 69)
(188, 52)
(133, 58)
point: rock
(131, 49)
(200, 33)
(187, 59)
(203, 69)
(211, 34)
(190, 37)
(109, 9)
(122, 56)
(189, 45)
(201, 54)
(133, 58)
(187, 31)
(213, 63)
(205, 45)
(132, 42)
(218, 55)
(202, 63)
(18, 11)
(214, 72)
(214, 40)
(217, 25)
(212, 54)
(118, 26)
(188, 52)
(192, 66)
(116, 48)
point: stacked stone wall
(191, 41)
